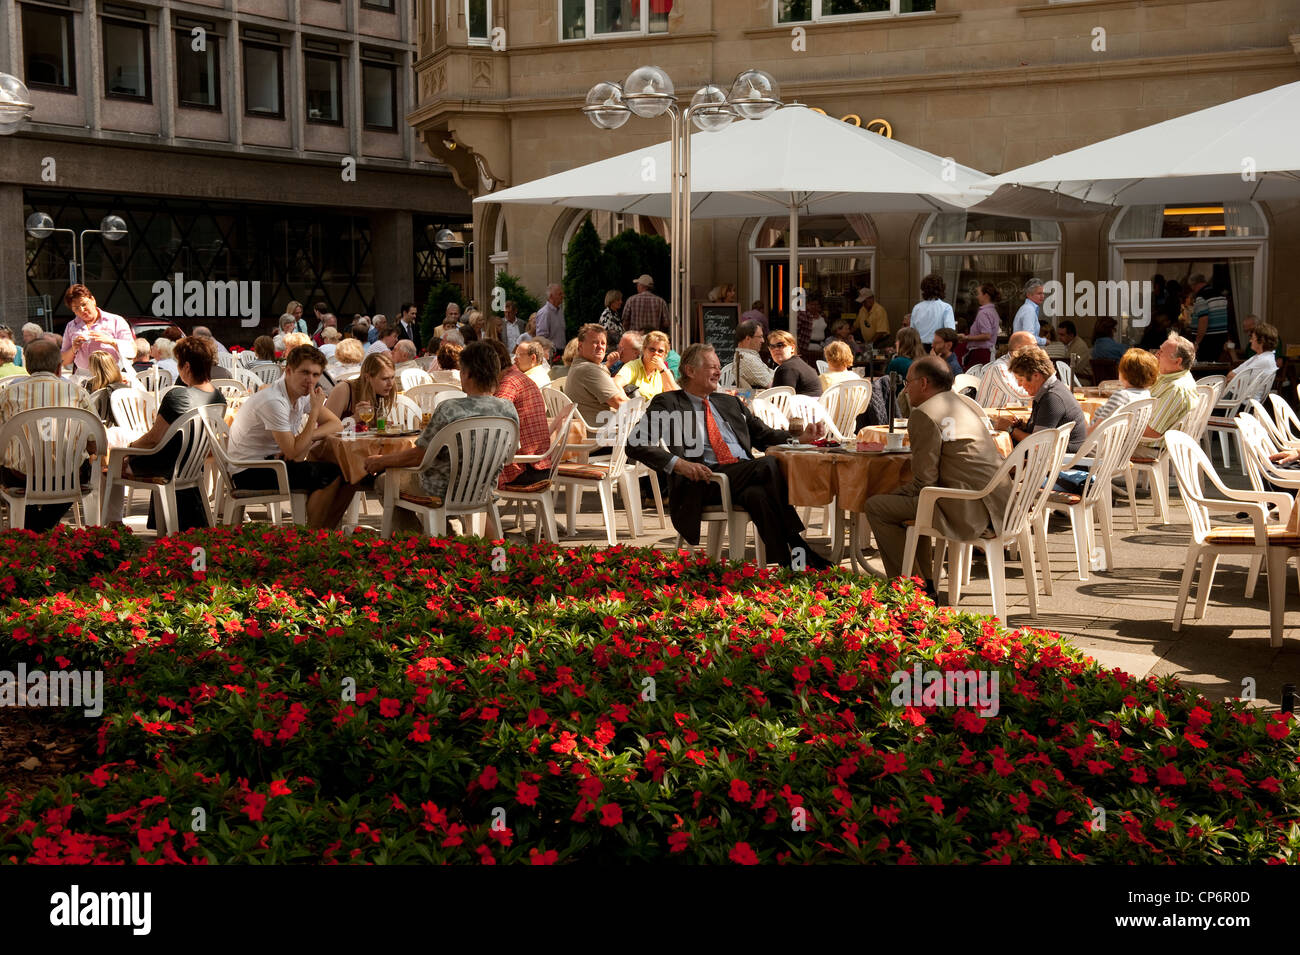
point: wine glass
(365, 412)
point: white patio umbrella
(796, 161)
(1248, 148)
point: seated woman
(376, 384)
(480, 372)
(347, 359)
(143, 358)
(839, 357)
(907, 348)
(329, 337)
(162, 351)
(791, 370)
(648, 375)
(194, 358)
(446, 367)
(1055, 348)
(1263, 341)
(9, 352)
(1054, 403)
(1138, 371)
(104, 376)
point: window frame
(105, 21)
(385, 6)
(183, 36)
(391, 70)
(589, 17)
(485, 40)
(329, 57)
(245, 45)
(71, 40)
(816, 16)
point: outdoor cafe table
(350, 453)
(1001, 418)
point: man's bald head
(1020, 340)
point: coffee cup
(894, 441)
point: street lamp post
(648, 92)
(111, 227)
(15, 103)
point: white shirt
(1253, 364)
(1026, 320)
(377, 347)
(928, 316)
(262, 413)
(328, 350)
(512, 337)
(169, 365)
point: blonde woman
(8, 352)
(839, 359)
(648, 375)
(347, 358)
(293, 339)
(376, 384)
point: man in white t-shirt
(384, 343)
(267, 426)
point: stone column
(13, 259)
(392, 260)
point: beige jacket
(952, 447)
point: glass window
(262, 81)
(947, 228)
(833, 232)
(478, 18)
(126, 60)
(379, 89)
(385, 5)
(963, 275)
(47, 49)
(197, 73)
(796, 11)
(610, 17)
(324, 83)
(1204, 220)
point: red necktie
(720, 449)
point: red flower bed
(305, 697)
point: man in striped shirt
(645, 311)
(42, 389)
(1174, 391)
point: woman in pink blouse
(983, 335)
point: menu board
(715, 324)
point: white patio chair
(269, 372)
(768, 413)
(1154, 462)
(734, 519)
(231, 500)
(540, 494)
(1235, 396)
(50, 446)
(843, 402)
(156, 380)
(556, 402)
(450, 395)
(410, 377)
(606, 476)
(1263, 538)
(1103, 451)
(1139, 413)
(1264, 418)
(188, 472)
(821, 366)
(1288, 424)
(133, 410)
(451, 377)
(406, 414)
(426, 362)
(728, 377)
(478, 448)
(778, 396)
(966, 380)
(424, 395)
(252, 384)
(1064, 372)
(1027, 468)
(230, 388)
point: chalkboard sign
(715, 324)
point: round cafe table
(350, 453)
(1000, 417)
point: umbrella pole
(792, 277)
(683, 291)
(675, 226)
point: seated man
(267, 426)
(751, 373)
(1054, 403)
(43, 388)
(1174, 391)
(404, 356)
(534, 432)
(588, 383)
(628, 350)
(951, 447)
(1079, 357)
(945, 340)
(1017, 341)
(706, 431)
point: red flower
(895, 762)
(280, 788)
(526, 793)
(537, 717)
(1268, 784)
(740, 791)
(742, 854)
(542, 858)
(420, 732)
(677, 841)
(610, 814)
(488, 778)
(935, 803)
(1170, 775)
(254, 803)
(388, 708)
(1278, 728)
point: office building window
(126, 60)
(379, 90)
(804, 11)
(385, 5)
(323, 81)
(478, 19)
(198, 78)
(263, 81)
(580, 19)
(47, 49)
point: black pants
(759, 486)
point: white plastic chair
(728, 377)
(268, 372)
(478, 448)
(1103, 450)
(442, 396)
(768, 413)
(155, 380)
(1139, 413)
(1236, 394)
(730, 516)
(232, 500)
(406, 414)
(424, 395)
(540, 495)
(605, 476)
(821, 366)
(778, 396)
(188, 472)
(1286, 421)
(1065, 374)
(1155, 462)
(50, 446)
(966, 380)
(133, 410)
(250, 381)
(230, 388)
(411, 377)
(843, 402)
(1262, 538)
(1033, 461)
(557, 403)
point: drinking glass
(365, 412)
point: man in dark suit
(408, 325)
(707, 431)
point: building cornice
(879, 23)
